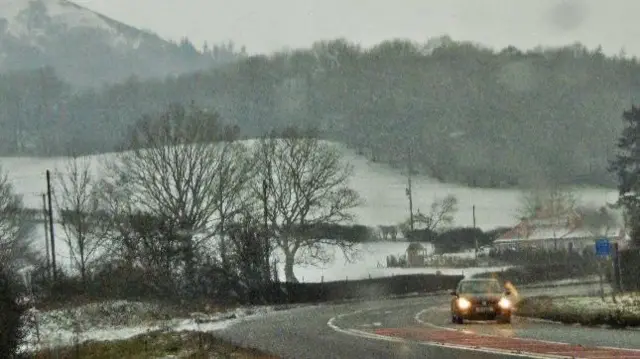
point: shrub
(530, 274)
(544, 307)
(11, 315)
(363, 288)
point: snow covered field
(118, 320)
(381, 187)
(370, 262)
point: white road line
(362, 334)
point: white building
(557, 234)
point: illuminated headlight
(463, 303)
(504, 303)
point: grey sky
(265, 26)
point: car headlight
(464, 303)
(504, 303)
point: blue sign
(603, 247)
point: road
(420, 327)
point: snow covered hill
(84, 47)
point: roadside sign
(603, 247)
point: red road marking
(506, 343)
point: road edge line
(366, 335)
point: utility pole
(475, 237)
(51, 232)
(265, 240)
(265, 209)
(45, 216)
(409, 192)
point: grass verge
(183, 345)
(621, 312)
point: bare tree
(553, 206)
(115, 204)
(184, 165)
(552, 202)
(16, 227)
(82, 221)
(598, 221)
(138, 241)
(306, 184)
(441, 214)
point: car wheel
(504, 319)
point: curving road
(420, 328)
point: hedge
(531, 274)
(545, 308)
(359, 289)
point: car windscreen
(480, 287)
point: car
(480, 299)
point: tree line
(190, 208)
(462, 112)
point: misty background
(270, 26)
(474, 93)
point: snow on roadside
(629, 302)
(565, 282)
(119, 320)
(371, 262)
(591, 310)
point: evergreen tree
(11, 316)
(627, 168)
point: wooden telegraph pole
(409, 192)
(51, 232)
(45, 217)
(475, 238)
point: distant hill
(88, 49)
(465, 113)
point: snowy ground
(370, 262)
(566, 282)
(382, 189)
(626, 302)
(122, 320)
(591, 309)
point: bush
(420, 235)
(156, 344)
(460, 239)
(531, 274)
(455, 239)
(458, 262)
(585, 260)
(361, 289)
(350, 233)
(545, 308)
(11, 315)
(396, 261)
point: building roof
(547, 228)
